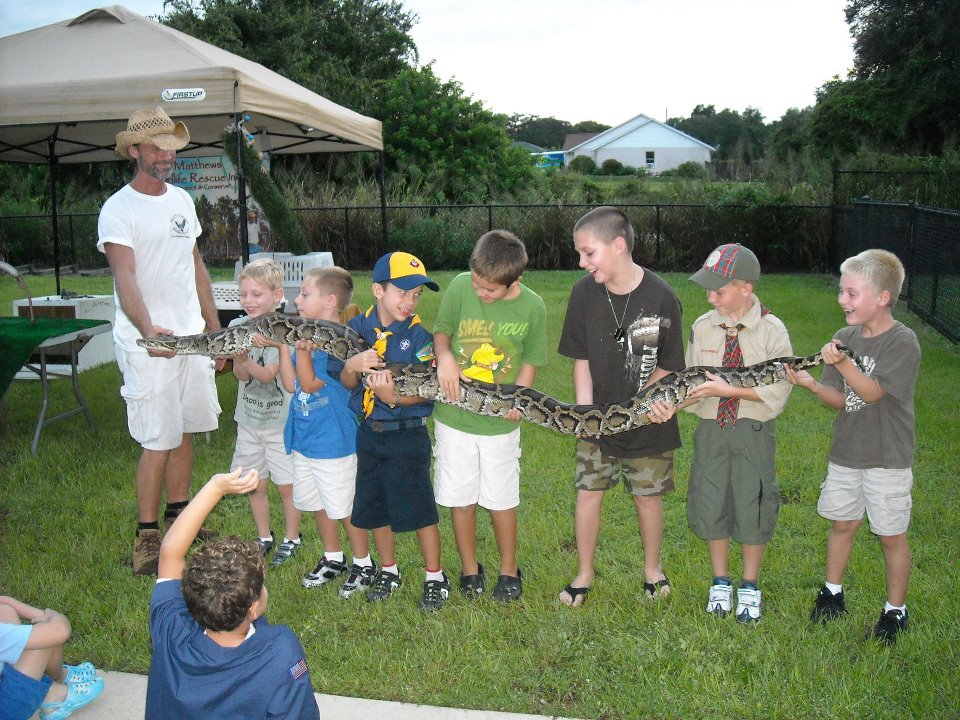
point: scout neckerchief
(380, 345)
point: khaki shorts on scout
(883, 493)
(733, 488)
(651, 475)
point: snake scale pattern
(417, 379)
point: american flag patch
(299, 670)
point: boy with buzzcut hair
(492, 328)
(870, 467)
(261, 413)
(622, 329)
(214, 654)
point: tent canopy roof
(70, 87)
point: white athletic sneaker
(720, 601)
(748, 605)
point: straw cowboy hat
(152, 126)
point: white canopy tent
(66, 89)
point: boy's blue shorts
(21, 695)
(393, 480)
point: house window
(649, 157)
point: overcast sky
(603, 60)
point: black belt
(393, 425)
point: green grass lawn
(67, 520)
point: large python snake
(417, 379)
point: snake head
(166, 343)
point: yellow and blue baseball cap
(403, 270)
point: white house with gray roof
(643, 142)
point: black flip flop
(575, 592)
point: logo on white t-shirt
(180, 227)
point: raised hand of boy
(184, 531)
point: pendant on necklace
(619, 336)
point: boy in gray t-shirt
(871, 455)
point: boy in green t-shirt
(490, 328)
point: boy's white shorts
(262, 449)
(885, 495)
(479, 470)
(167, 397)
(325, 484)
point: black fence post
(658, 235)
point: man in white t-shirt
(148, 231)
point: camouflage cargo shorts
(650, 475)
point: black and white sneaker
(265, 546)
(435, 594)
(827, 606)
(361, 578)
(325, 571)
(285, 550)
(383, 586)
(891, 623)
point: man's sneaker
(265, 545)
(720, 601)
(285, 550)
(435, 594)
(361, 578)
(891, 623)
(203, 534)
(509, 587)
(325, 571)
(146, 552)
(383, 586)
(748, 605)
(472, 586)
(827, 606)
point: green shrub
(611, 166)
(583, 165)
(691, 170)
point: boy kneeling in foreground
(214, 654)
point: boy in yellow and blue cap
(393, 491)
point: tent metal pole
(242, 192)
(54, 219)
(241, 179)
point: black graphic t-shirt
(652, 337)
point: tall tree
(790, 135)
(547, 133)
(737, 138)
(337, 48)
(440, 138)
(904, 91)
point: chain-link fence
(669, 237)
(927, 241)
(933, 188)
